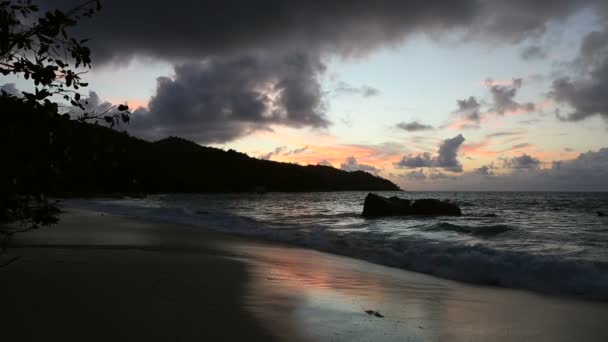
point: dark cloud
(415, 175)
(512, 21)
(587, 172)
(533, 52)
(191, 29)
(469, 109)
(516, 147)
(446, 158)
(344, 88)
(351, 164)
(220, 100)
(485, 170)
(228, 98)
(414, 126)
(421, 160)
(588, 168)
(296, 151)
(522, 162)
(503, 134)
(587, 95)
(276, 151)
(439, 176)
(324, 162)
(568, 149)
(503, 98)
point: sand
(96, 277)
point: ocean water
(547, 242)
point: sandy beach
(96, 277)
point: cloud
(503, 98)
(344, 88)
(587, 172)
(439, 176)
(587, 95)
(529, 122)
(95, 104)
(469, 109)
(415, 175)
(446, 158)
(421, 160)
(10, 89)
(485, 170)
(188, 30)
(522, 162)
(351, 164)
(296, 151)
(503, 134)
(522, 145)
(533, 52)
(414, 126)
(220, 100)
(276, 151)
(225, 33)
(324, 162)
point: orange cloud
(337, 154)
(132, 103)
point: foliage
(37, 47)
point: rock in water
(377, 206)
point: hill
(91, 159)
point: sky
(433, 95)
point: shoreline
(108, 277)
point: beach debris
(376, 206)
(374, 313)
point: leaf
(123, 108)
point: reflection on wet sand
(308, 295)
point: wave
(471, 263)
(488, 230)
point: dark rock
(374, 313)
(601, 213)
(377, 206)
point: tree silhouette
(36, 46)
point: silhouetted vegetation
(92, 160)
(35, 46)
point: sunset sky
(433, 95)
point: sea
(549, 242)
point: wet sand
(98, 277)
